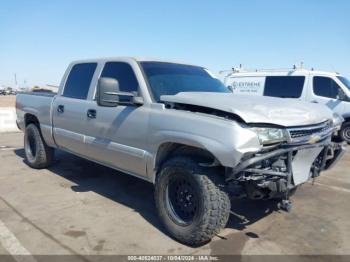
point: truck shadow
(138, 194)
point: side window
(284, 86)
(325, 86)
(78, 81)
(125, 75)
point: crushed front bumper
(301, 158)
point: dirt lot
(7, 101)
(81, 208)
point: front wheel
(37, 153)
(345, 132)
(191, 206)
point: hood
(257, 109)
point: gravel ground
(7, 101)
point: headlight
(269, 136)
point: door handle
(60, 109)
(91, 113)
(314, 101)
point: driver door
(115, 136)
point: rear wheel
(37, 153)
(191, 206)
(345, 132)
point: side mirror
(105, 87)
(342, 96)
(108, 94)
(230, 88)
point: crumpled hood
(257, 109)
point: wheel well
(346, 119)
(169, 149)
(31, 119)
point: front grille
(305, 134)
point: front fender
(228, 151)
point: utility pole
(15, 80)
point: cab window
(79, 80)
(125, 75)
(325, 87)
(284, 86)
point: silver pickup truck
(178, 127)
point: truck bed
(38, 93)
(36, 104)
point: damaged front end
(277, 169)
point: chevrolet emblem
(313, 139)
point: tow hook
(285, 205)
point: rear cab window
(284, 86)
(79, 80)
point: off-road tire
(38, 155)
(345, 132)
(214, 204)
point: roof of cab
(129, 58)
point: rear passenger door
(70, 108)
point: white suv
(328, 88)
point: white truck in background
(328, 88)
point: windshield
(170, 79)
(345, 81)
